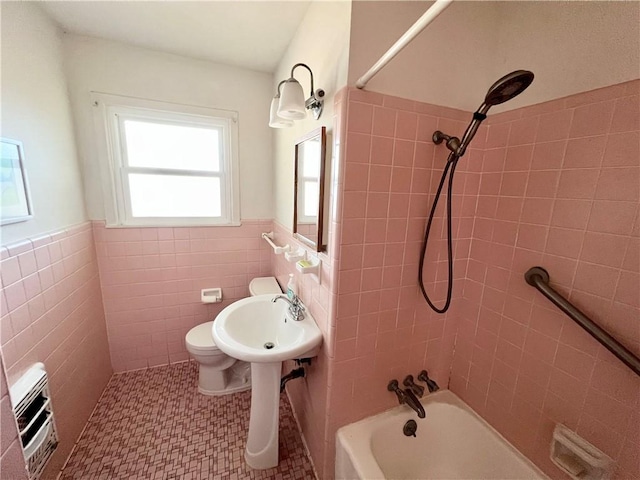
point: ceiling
(248, 34)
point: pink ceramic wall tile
(163, 268)
(360, 118)
(19, 247)
(592, 219)
(619, 184)
(10, 271)
(406, 125)
(57, 318)
(523, 131)
(578, 184)
(542, 183)
(626, 115)
(548, 155)
(384, 121)
(554, 125)
(359, 146)
(586, 152)
(592, 119)
(621, 149)
(612, 217)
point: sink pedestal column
(262, 443)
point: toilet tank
(264, 285)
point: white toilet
(220, 374)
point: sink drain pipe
(295, 373)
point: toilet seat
(199, 339)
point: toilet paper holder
(211, 295)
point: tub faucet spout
(406, 396)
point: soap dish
(311, 265)
(578, 458)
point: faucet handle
(296, 302)
(394, 387)
(431, 385)
(416, 389)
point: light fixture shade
(292, 101)
(274, 120)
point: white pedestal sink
(259, 331)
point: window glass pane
(174, 196)
(311, 195)
(158, 145)
(311, 159)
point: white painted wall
(321, 42)
(35, 110)
(571, 47)
(444, 64)
(110, 67)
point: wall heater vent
(32, 407)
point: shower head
(503, 90)
(509, 86)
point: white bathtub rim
(361, 455)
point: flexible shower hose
(452, 161)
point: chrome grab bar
(539, 278)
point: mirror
(308, 197)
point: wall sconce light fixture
(289, 103)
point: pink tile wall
(559, 187)
(309, 397)
(52, 312)
(151, 280)
(379, 326)
(12, 465)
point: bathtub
(452, 442)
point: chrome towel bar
(539, 278)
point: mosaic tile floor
(153, 424)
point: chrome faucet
(296, 309)
(406, 396)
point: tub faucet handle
(431, 385)
(416, 389)
(394, 387)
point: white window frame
(110, 112)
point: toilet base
(214, 382)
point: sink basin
(255, 329)
(259, 331)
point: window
(167, 164)
(308, 180)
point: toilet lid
(200, 337)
